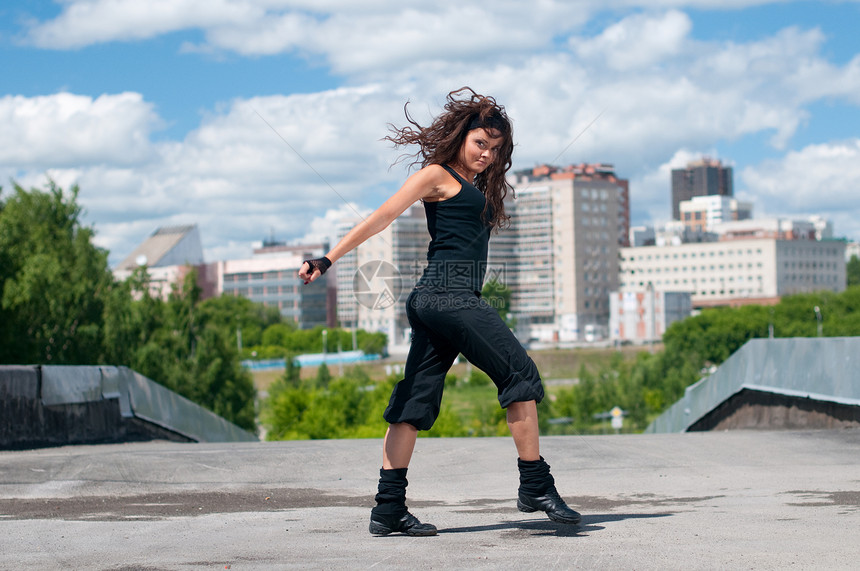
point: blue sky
(156, 109)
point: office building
(736, 271)
(705, 177)
(643, 316)
(270, 277)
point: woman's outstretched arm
(422, 184)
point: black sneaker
(552, 504)
(408, 524)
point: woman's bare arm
(422, 184)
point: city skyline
(253, 120)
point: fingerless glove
(321, 264)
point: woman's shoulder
(436, 171)
(441, 184)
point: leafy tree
(372, 342)
(200, 358)
(852, 272)
(345, 409)
(53, 281)
(59, 304)
(498, 296)
(323, 376)
(279, 339)
(292, 370)
(241, 317)
(278, 334)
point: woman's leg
(414, 405)
(523, 424)
(489, 344)
(398, 445)
(537, 487)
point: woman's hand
(312, 269)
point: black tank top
(459, 239)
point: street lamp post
(818, 317)
(652, 302)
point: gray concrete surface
(727, 500)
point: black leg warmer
(535, 478)
(390, 514)
(391, 497)
(537, 493)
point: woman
(464, 156)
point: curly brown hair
(440, 144)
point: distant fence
(55, 405)
(822, 369)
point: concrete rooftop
(743, 499)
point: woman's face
(479, 150)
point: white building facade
(736, 271)
(703, 213)
(643, 316)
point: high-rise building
(560, 256)
(705, 177)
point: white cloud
(67, 129)
(268, 163)
(642, 92)
(352, 36)
(640, 40)
(819, 179)
(323, 229)
(87, 22)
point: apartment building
(643, 316)
(559, 257)
(744, 270)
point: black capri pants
(445, 324)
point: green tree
(181, 343)
(292, 370)
(498, 296)
(278, 334)
(852, 272)
(323, 376)
(53, 281)
(203, 358)
(242, 318)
